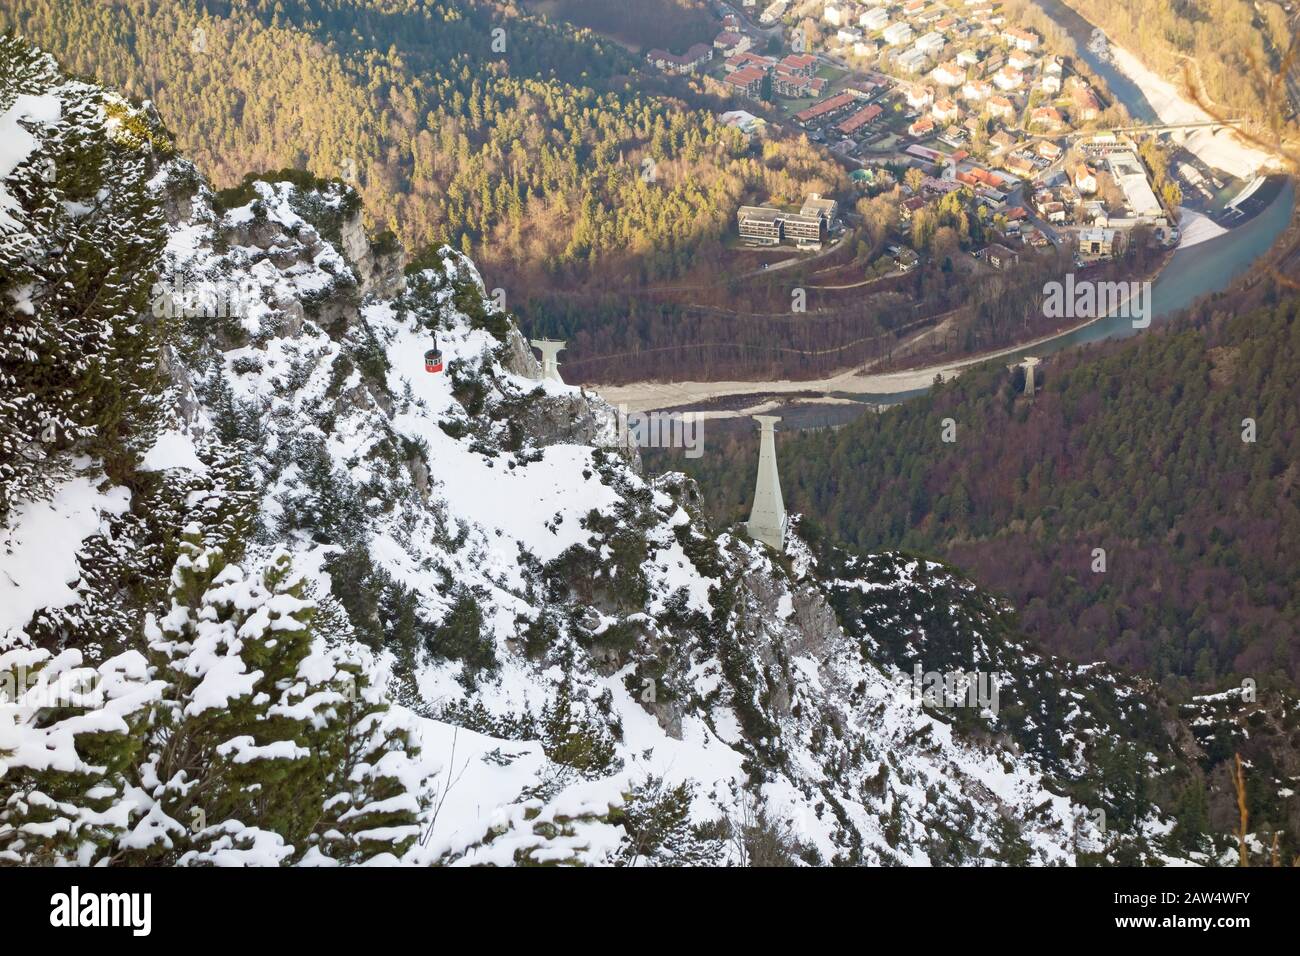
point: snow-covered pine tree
(70, 736)
(238, 738)
(271, 746)
(80, 369)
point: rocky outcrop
(379, 265)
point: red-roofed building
(861, 118)
(1020, 39)
(785, 83)
(1001, 107)
(922, 127)
(748, 81)
(826, 108)
(1086, 106)
(944, 110)
(731, 44)
(742, 60)
(1048, 117)
(804, 64)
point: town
(953, 113)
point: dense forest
(1242, 56)
(671, 24)
(1174, 453)
(461, 121)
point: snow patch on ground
(1195, 227)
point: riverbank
(1207, 267)
(1223, 149)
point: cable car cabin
(433, 360)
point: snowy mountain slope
(430, 478)
(295, 526)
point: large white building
(1131, 177)
(932, 42)
(897, 33)
(912, 61)
(874, 19)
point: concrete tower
(550, 350)
(767, 520)
(1029, 362)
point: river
(1192, 272)
(1120, 86)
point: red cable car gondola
(433, 358)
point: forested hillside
(1142, 449)
(467, 122)
(671, 24)
(1242, 55)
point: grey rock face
(379, 272)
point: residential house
(976, 91)
(1048, 150)
(1008, 78)
(731, 44)
(997, 255)
(1048, 118)
(931, 43)
(1000, 107)
(826, 108)
(945, 111)
(919, 97)
(1085, 180)
(874, 19)
(1001, 141)
(689, 62)
(948, 74)
(1086, 107)
(868, 114)
(1021, 39)
(1021, 61)
(921, 128)
(953, 136)
(1018, 164)
(742, 60)
(800, 64)
(912, 61)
